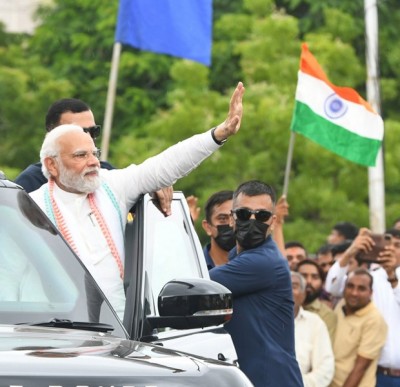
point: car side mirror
(192, 303)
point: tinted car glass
(40, 277)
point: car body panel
(46, 356)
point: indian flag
(337, 118)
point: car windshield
(40, 277)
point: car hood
(38, 356)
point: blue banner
(180, 28)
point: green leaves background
(161, 99)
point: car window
(26, 261)
(169, 249)
(40, 278)
(21, 280)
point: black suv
(48, 335)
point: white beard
(79, 182)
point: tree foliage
(161, 100)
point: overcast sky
(17, 14)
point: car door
(160, 249)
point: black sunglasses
(245, 214)
(94, 131)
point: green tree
(161, 99)
(269, 71)
(25, 89)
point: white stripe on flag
(357, 119)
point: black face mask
(250, 233)
(226, 237)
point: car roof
(4, 183)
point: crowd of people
(318, 320)
(346, 306)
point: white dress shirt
(313, 349)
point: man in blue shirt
(216, 225)
(262, 325)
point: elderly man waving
(89, 205)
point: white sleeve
(322, 360)
(335, 280)
(162, 170)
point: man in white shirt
(313, 345)
(89, 205)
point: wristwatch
(218, 142)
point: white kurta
(313, 349)
(126, 186)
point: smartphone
(381, 241)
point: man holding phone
(386, 295)
(380, 241)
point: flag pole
(112, 87)
(376, 182)
(288, 163)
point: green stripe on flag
(349, 145)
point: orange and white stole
(55, 214)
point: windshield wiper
(64, 323)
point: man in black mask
(262, 325)
(314, 277)
(216, 224)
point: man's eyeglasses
(245, 214)
(94, 131)
(84, 155)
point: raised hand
(232, 123)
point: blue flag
(180, 28)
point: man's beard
(79, 182)
(311, 295)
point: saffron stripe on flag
(337, 118)
(310, 66)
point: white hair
(301, 280)
(50, 146)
